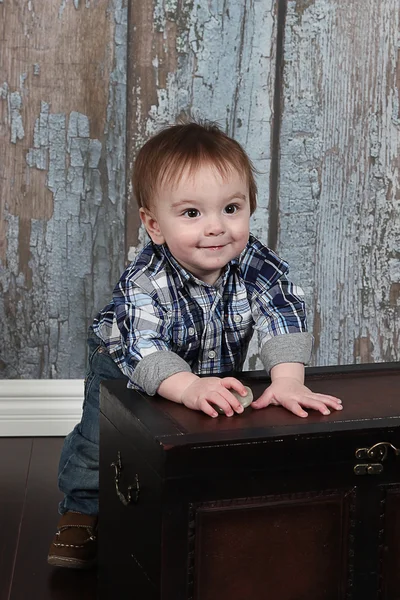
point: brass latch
(377, 452)
(368, 469)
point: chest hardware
(368, 469)
(131, 498)
(377, 453)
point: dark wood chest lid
(370, 396)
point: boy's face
(203, 219)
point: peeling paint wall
(68, 141)
(62, 133)
(339, 174)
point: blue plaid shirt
(159, 306)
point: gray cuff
(287, 348)
(151, 371)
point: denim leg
(78, 472)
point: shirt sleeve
(145, 331)
(280, 322)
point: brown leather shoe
(75, 542)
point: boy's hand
(203, 392)
(292, 394)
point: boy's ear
(152, 227)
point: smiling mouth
(212, 247)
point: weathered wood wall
(62, 177)
(339, 202)
(323, 131)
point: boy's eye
(191, 213)
(231, 209)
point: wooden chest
(259, 506)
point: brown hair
(163, 158)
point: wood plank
(15, 454)
(213, 60)
(339, 174)
(390, 550)
(62, 180)
(33, 578)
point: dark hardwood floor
(28, 516)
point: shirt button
(191, 331)
(237, 318)
(212, 354)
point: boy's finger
(333, 404)
(235, 384)
(232, 401)
(296, 409)
(310, 402)
(208, 409)
(261, 403)
(326, 397)
(327, 401)
(222, 404)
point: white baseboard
(39, 407)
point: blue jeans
(78, 471)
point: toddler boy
(188, 305)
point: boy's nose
(214, 227)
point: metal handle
(377, 451)
(131, 498)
